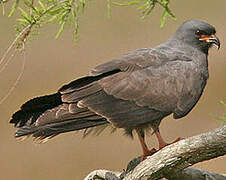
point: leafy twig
(147, 6)
(68, 11)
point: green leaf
(42, 5)
(83, 2)
(17, 28)
(170, 12)
(163, 19)
(3, 8)
(33, 18)
(56, 11)
(28, 3)
(73, 14)
(109, 8)
(14, 7)
(76, 24)
(22, 21)
(223, 103)
(25, 15)
(128, 3)
(60, 29)
(53, 18)
(64, 15)
(142, 6)
(76, 28)
(35, 9)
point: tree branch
(171, 161)
(195, 174)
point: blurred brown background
(51, 63)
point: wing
(158, 78)
(138, 88)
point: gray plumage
(134, 91)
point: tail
(47, 116)
(43, 133)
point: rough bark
(195, 174)
(172, 161)
(185, 174)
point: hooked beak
(213, 39)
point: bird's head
(198, 34)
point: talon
(162, 143)
(149, 153)
(166, 144)
(178, 139)
(153, 151)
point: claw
(148, 153)
(176, 140)
(162, 143)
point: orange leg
(146, 151)
(162, 143)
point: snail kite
(134, 91)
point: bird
(134, 92)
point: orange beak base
(211, 39)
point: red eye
(198, 33)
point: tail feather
(42, 133)
(43, 102)
(20, 118)
(32, 109)
(47, 116)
